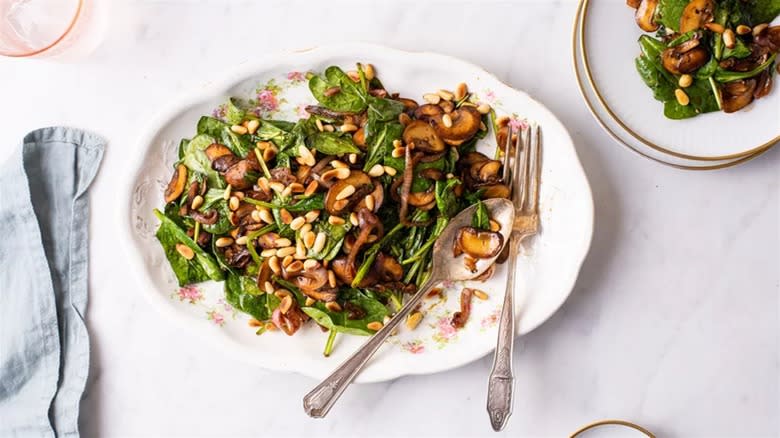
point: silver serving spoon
(318, 402)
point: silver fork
(524, 178)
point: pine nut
(295, 266)
(398, 152)
(494, 226)
(263, 184)
(273, 263)
(233, 203)
(355, 76)
(372, 238)
(310, 264)
(331, 278)
(185, 251)
(318, 122)
(287, 260)
(335, 220)
(242, 240)
(743, 30)
(223, 242)
(268, 252)
(308, 239)
(397, 143)
(255, 215)
(390, 170)
(311, 188)
(310, 301)
(269, 154)
(368, 70)
(461, 90)
(276, 186)
(285, 216)
(268, 287)
(376, 170)
(353, 219)
(304, 229)
(376, 325)
(285, 305)
(254, 323)
(352, 158)
(297, 223)
(239, 194)
(238, 129)
(482, 126)
(757, 30)
(483, 108)
(266, 216)
(346, 192)
(333, 306)
(715, 27)
(329, 128)
(433, 99)
(337, 173)
(414, 320)
(446, 120)
(226, 195)
(341, 204)
(369, 200)
(262, 145)
(450, 176)
(197, 201)
(348, 127)
(286, 192)
(682, 98)
(312, 216)
(337, 164)
(319, 242)
(685, 81)
(284, 252)
(481, 295)
(446, 95)
(282, 242)
(332, 91)
(300, 250)
(306, 155)
(296, 187)
(252, 125)
(729, 39)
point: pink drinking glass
(50, 28)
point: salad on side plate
(333, 217)
(707, 55)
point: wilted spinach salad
(707, 55)
(330, 218)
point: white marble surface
(673, 322)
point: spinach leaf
(702, 100)
(200, 268)
(708, 69)
(214, 200)
(669, 12)
(183, 147)
(739, 51)
(350, 98)
(481, 218)
(331, 143)
(380, 144)
(234, 111)
(243, 294)
(339, 321)
(314, 202)
(384, 109)
(446, 201)
(239, 144)
(335, 238)
(662, 89)
(277, 131)
(763, 11)
(211, 126)
(196, 160)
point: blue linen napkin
(44, 348)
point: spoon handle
(502, 379)
(318, 402)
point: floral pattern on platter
(271, 99)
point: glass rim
(56, 41)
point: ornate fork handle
(318, 402)
(502, 380)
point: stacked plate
(604, 45)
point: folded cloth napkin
(44, 348)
